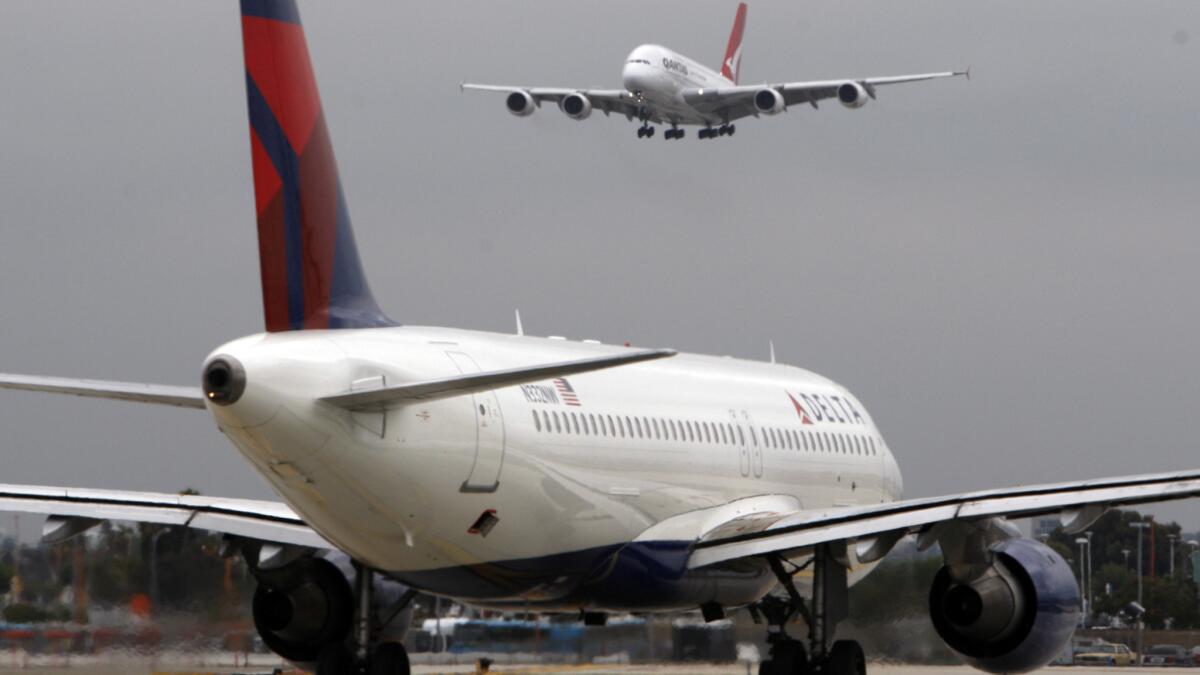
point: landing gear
(645, 131)
(356, 656)
(673, 134)
(723, 130)
(822, 614)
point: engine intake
(1016, 616)
(852, 95)
(576, 106)
(520, 103)
(769, 102)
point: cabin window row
(687, 431)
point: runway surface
(680, 669)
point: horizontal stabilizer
(183, 397)
(471, 383)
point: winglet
(966, 72)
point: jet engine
(520, 103)
(308, 604)
(769, 102)
(1013, 616)
(576, 106)
(303, 607)
(852, 95)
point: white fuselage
(660, 76)
(575, 472)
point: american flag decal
(566, 392)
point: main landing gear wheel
(390, 658)
(672, 134)
(846, 658)
(645, 131)
(787, 658)
(828, 606)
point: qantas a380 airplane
(509, 471)
(665, 87)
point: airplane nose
(224, 380)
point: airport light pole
(1140, 526)
(1090, 598)
(1083, 598)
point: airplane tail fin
(731, 67)
(311, 274)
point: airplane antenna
(771, 343)
(520, 328)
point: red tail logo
(731, 67)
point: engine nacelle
(1014, 618)
(303, 607)
(852, 95)
(520, 103)
(576, 106)
(769, 102)
(307, 604)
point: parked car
(1106, 654)
(1195, 656)
(1167, 655)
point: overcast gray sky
(1003, 270)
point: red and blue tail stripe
(311, 274)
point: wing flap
(470, 383)
(160, 394)
(251, 519)
(804, 529)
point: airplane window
(858, 448)
(707, 432)
(842, 443)
(724, 438)
(557, 426)
(647, 427)
(575, 421)
(537, 423)
(823, 439)
(637, 424)
(625, 427)
(872, 442)
(741, 436)
(753, 436)
(795, 439)
(583, 422)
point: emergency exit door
(489, 432)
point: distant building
(1044, 525)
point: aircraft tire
(846, 658)
(787, 658)
(390, 658)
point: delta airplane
(516, 472)
(665, 87)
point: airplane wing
(606, 100)
(734, 102)
(73, 510)
(470, 383)
(1079, 503)
(183, 397)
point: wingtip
(966, 72)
